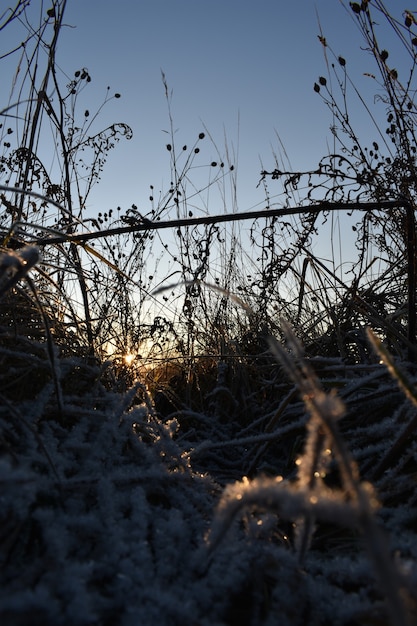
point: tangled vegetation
(231, 441)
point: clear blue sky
(244, 70)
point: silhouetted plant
(358, 174)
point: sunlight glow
(129, 358)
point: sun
(129, 358)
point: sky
(242, 72)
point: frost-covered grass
(115, 512)
(223, 474)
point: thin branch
(146, 224)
